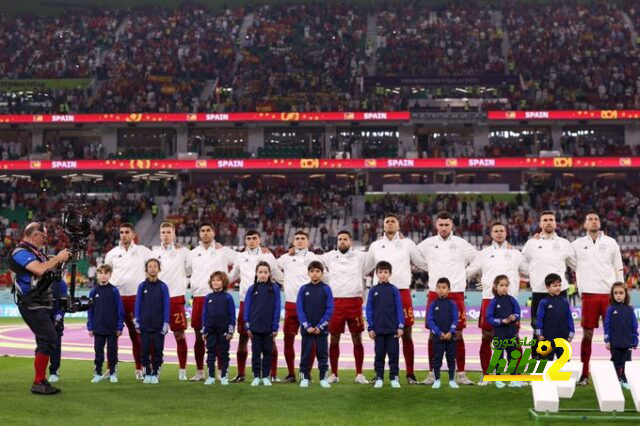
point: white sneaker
(431, 379)
(360, 380)
(154, 379)
(97, 378)
(304, 383)
(54, 378)
(266, 381)
(333, 378)
(139, 375)
(482, 382)
(198, 377)
(500, 385)
(224, 381)
(147, 380)
(182, 374)
(255, 381)
(463, 379)
(378, 384)
(453, 384)
(325, 384)
(395, 384)
(210, 381)
(515, 384)
(113, 378)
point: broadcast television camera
(76, 226)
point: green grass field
(173, 402)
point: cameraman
(35, 297)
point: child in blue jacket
(442, 320)
(620, 329)
(152, 319)
(218, 326)
(385, 319)
(315, 307)
(554, 318)
(262, 306)
(503, 314)
(105, 320)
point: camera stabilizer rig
(76, 226)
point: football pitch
(174, 402)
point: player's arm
(634, 329)
(235, 273)
(328, 309)
(276, 272)
(474, 270)
(205, 313)
(188, 264)
(570, 259)
(616, 261)
(469, 252)
(417, 257)
(370, 261)
(166, 303)
(248, 301)
(275, 324)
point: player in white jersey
(400, 252)
(447, 256)
(245, 268)
(599, 265)
(294, 267)
(127, 260)
(497, 259)
(544, 255)
(205, 259)
(176, 267)
(346, 279)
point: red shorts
(347, 310)
(291, 323)
(241, 329)
(458, 299)
(177, 314)
(129, 303)
(407, 307)
(482, 321)
(197, 304)
(594, 306)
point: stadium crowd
(315, 56)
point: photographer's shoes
(44, 388)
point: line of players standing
(595, 257)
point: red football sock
(182, 352)
(274, 360)
(407, 350)
(460, 355)
(40, 366)
(430, 353)
(358, 353)
(585, 355)
(199, 350)
(334, 354)
(485, 354)
(289, 353)
(242, 361)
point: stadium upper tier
(323, 56)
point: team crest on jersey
(602, 248)
(507, 255)
(556, 246)
(453, 247)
